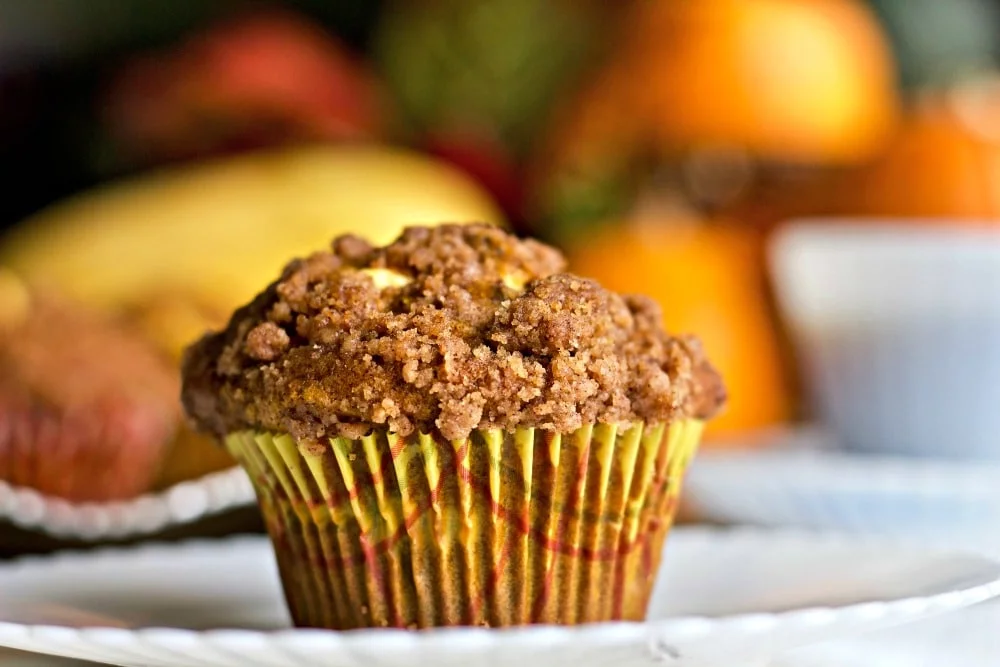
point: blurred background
(661, 144)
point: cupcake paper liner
(500, 529)
(83, 478)
(108, 453)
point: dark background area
(55, 55)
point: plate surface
(966, 638)
(724, 598)
(800, 479)
(181, 504)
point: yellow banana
(219, 231)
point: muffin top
(59, 360)
(447, 329)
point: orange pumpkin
(945, 162)
(796, 80)
(710, 282)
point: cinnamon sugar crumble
(449, 328)
(266, 341)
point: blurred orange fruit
(709, 281)
(739, 82)
(945, 162)
(795, 80)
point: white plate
(725, 597)
(800, 479)
(967, 638)
(180, 504)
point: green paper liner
(500, 529)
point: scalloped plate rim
(661, 638)
(234, 479)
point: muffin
(86, 407)
(449, 431)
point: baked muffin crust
(447, 329)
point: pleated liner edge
(500, 529)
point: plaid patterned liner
(499, 529)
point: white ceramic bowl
(897, 327)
